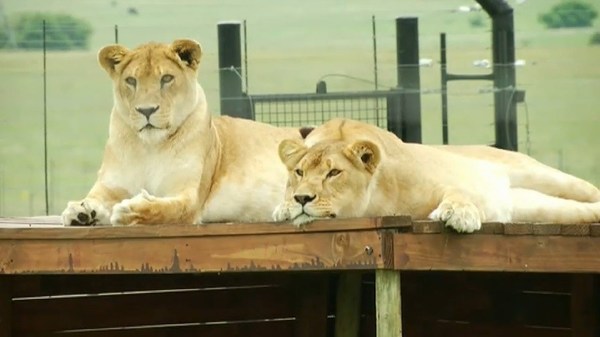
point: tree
(568, 14)
(63, 31)
(595, 39)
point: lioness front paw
(124, 213)
(463, 217)
(287, 211)
(87, 212)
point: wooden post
(5, 306)
(347, 312)
(387, 302)
(584, 306)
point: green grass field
(291, 45)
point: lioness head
(155, 85)
(329, 179)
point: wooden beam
(584, 306)
(12, 228)
(6, 317)
(348, 304)
(521, 253)
(388, 303)
(297, 251)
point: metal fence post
(506, 95)
(234, 102)
(503, 55)
(407, 54)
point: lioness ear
(110, 56)
(189, 52)
(291, 151)
(364, 154)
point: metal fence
(398, 110)
(310, 109)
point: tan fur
(460, 185)
(167, 160)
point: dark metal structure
(399, 109)
(506, 95)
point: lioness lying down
(346, 168)
(166, 159)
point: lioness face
(329, 179)
(155, 85)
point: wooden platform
(368, 277)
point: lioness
(167, 160)
(347, 168)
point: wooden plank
(388, 303)
(34, 285)
(575, 229)
(32, 220)
(310, 304)
(496, 253)
(491, 228)
(595, 229)
(462, 329)
(348, 305)
(39, 315)
(584, 306)
(229, 329)
(427, 227)
(518, 228)
(543, 309)
(546, 229)
(300, 251)
(14, 231)
(401, 223)
(6, 314)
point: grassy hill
(291, 45)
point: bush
(63, 31)
(595, 39)
(569, 14)
(477, 21)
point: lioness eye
(333, 173)
(131, 81)
(299, 172)
(166, 79)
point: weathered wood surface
(41, 245)
(521, 253)
(200, 248)
(388, 303)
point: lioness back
(250, 180)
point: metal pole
(375, 70)
(444, 77)
(45, 118)
(407, 53)
(375, 53)
(230, 71)
(503, 56)
(246, 58)
(116, 34)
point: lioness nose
(147, 110)
(303, 199)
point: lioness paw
(125, 213)
(303, 219)
(286, 211)
(87, 212)
(463, 217)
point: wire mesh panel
(312, 109)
